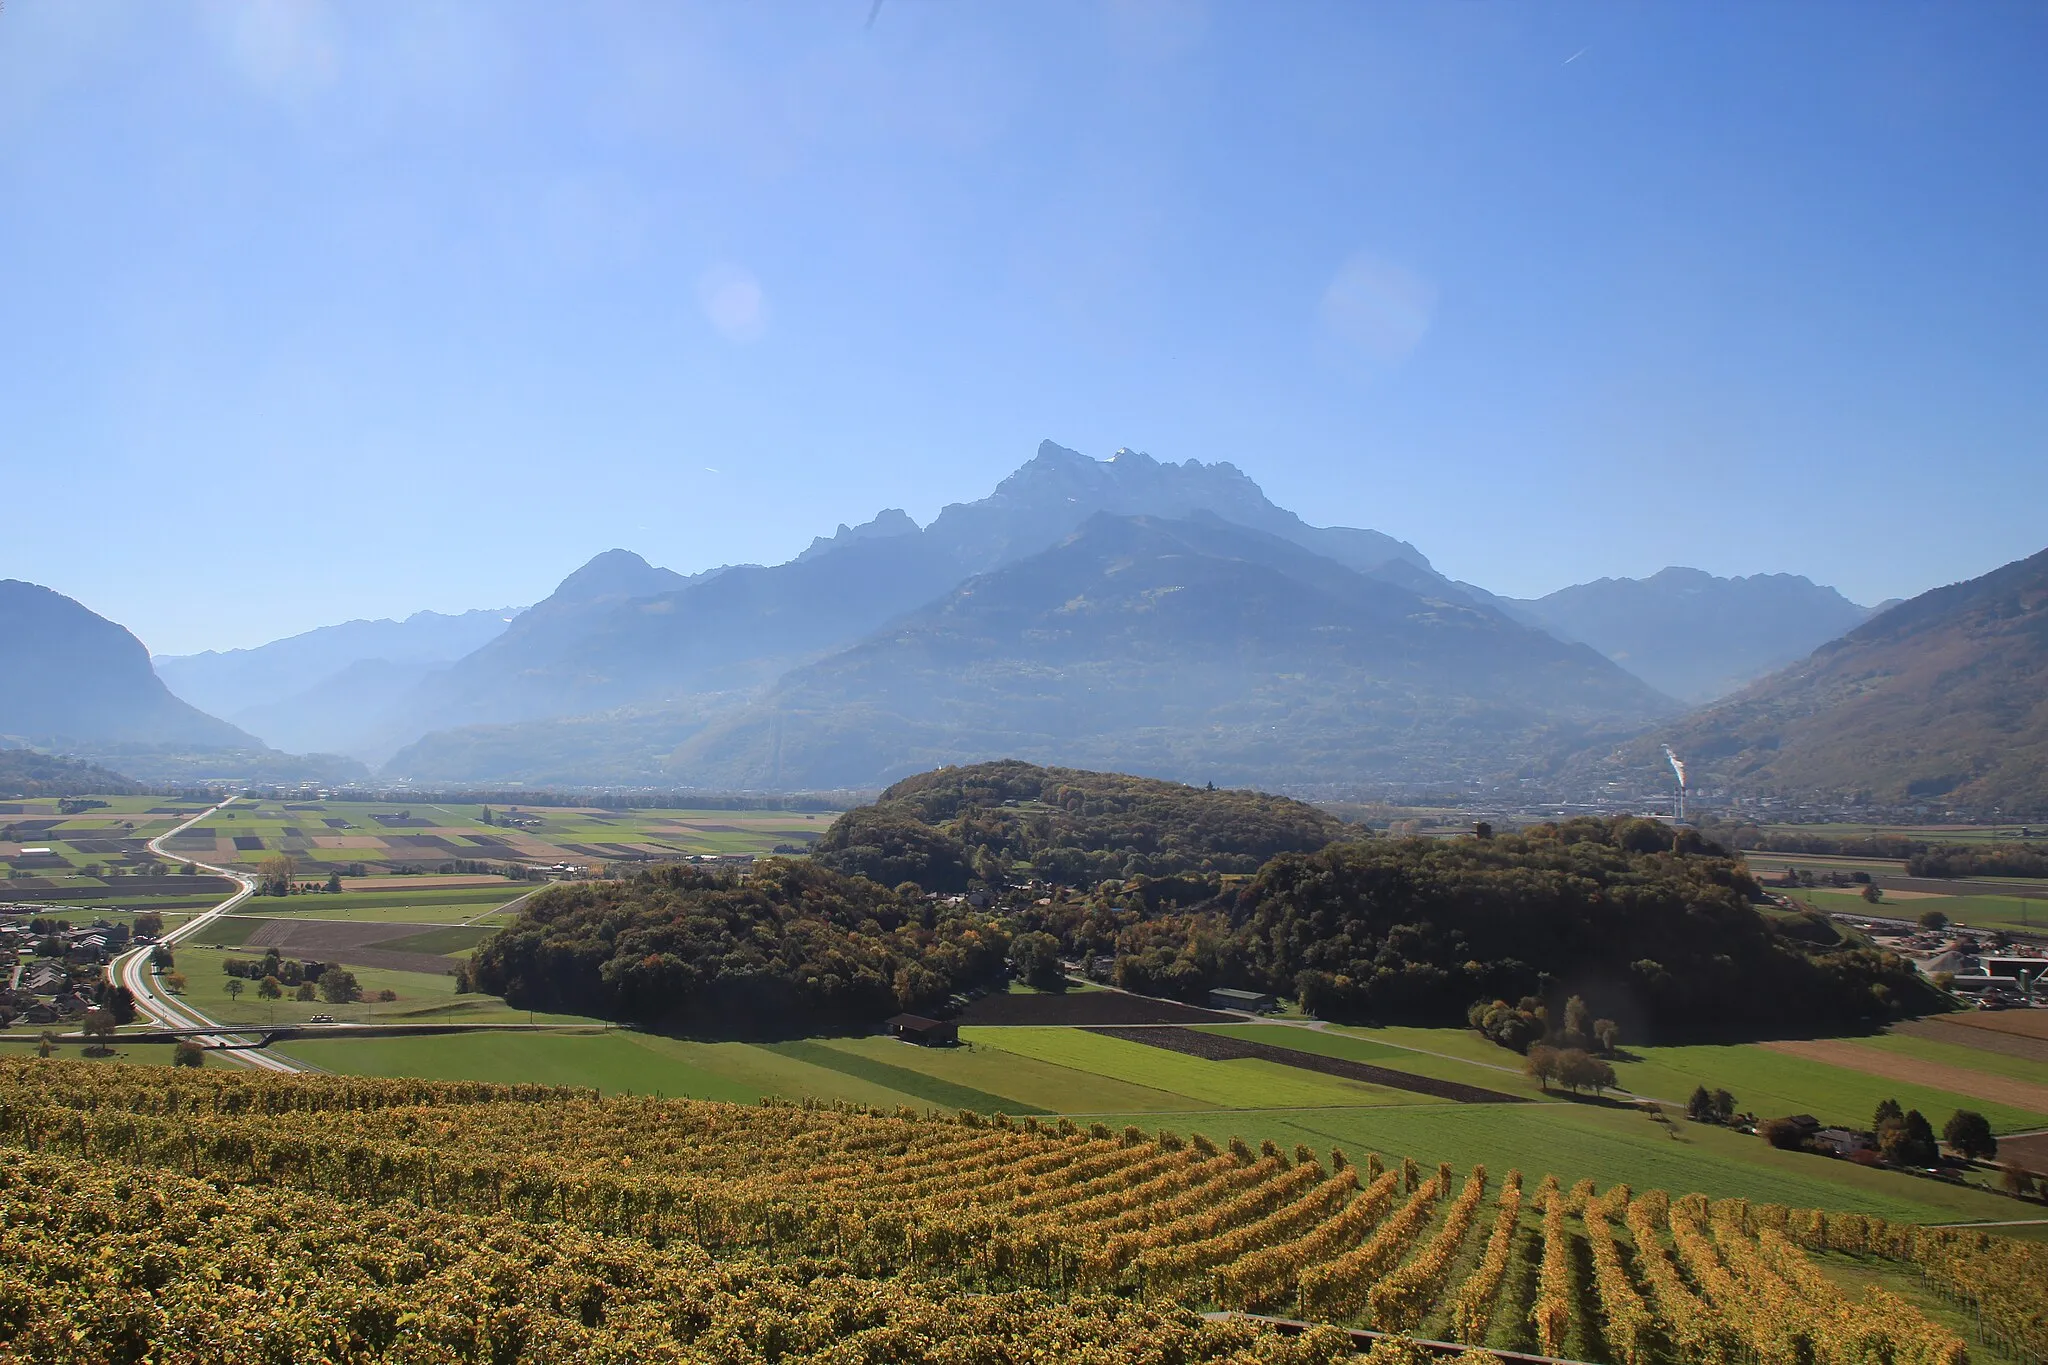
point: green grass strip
(930, 1089)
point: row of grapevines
(1266, 1277)
(1169, 1266)
(1340, 1288)
(1399, 1301)
(1551, 1314)
(1625, 1319)
(1472, 1306)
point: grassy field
(1976, 912)
(386, 835)
(1240, 1084)
(1770, 1084)
(1438, 1062)
(1608, 1144)
(423, 997)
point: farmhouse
(1843, 1141)
(1251, 1002)
(915, 1028)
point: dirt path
(1871, 1062)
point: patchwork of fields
(1088, 1075)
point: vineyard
(229, 1217)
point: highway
(131, 969)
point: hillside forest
(956, 877)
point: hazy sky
(312, 311)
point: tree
(1578, 1021)
(149, 922)
(1482, 830)
(1908, 1140)
(188, 1053)
(1579, 1070)
(1699, 1107)
(270, 988)
(338, 986)
(274, 875)
(174, 982)
(305, 992)
(1873, 893)
(1933, 921)
(188, 869)
(234, 988)
(1037, 956)
(99, 1027)
(1724, 1106)
(1888, 1111)
(161, 958)
(334, 883)
(386, 996)
(118, 1001)
(1968, 1133)
(1609, 1034)
(1543, 1064)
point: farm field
(598, 1216)
(1975, 912)
(1241, 1084)
(1092, 1078)
(399, 839)
(1771, 1084)
(423, 997)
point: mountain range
(309, 692)
(1127, 613)
(1694, 636)
(1939, 700)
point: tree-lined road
(131, 969)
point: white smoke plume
(1677, 765)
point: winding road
(131, 969)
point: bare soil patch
(2021, 1023)
(1940, 1030)
(1088, 1008)
(1222, 1049)
(2027, 1153)
(350, 943)
(428, 883)
(1890, 1066)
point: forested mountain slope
(1943, 698)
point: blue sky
(314, 311)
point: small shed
(1251, 1002)
(915, 1028)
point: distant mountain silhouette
(71, 676)
(1943, 698)
(648, 641)
(314, 691)
(1189, 648)
(1690, 634)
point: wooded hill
(26, 772)
(1656, 930)
(794, 948)
(992, 821)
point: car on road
(321, 1019)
